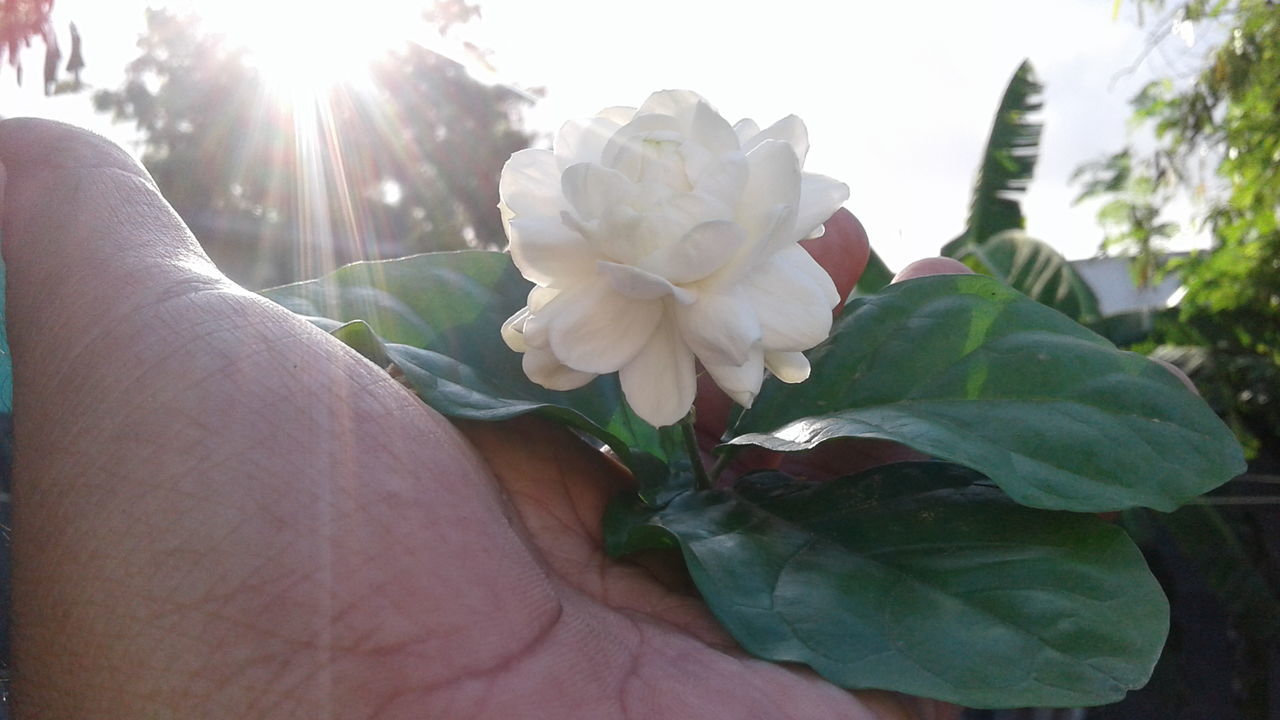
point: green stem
(701, 480)
(722, 462)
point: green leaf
(438, 316)
(967, 370)
(875, 277)
(908, 577)
(1007, 163)
(1037, 270)
(360, 337)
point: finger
(1178, 373)
(219, 511)
(932, 266)
(843, 251)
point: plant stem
(722, 462)
(701, 480)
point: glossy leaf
(965, 369)
(908, 577)
(438, 316)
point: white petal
(740, 382)
(540, 296)
(591, 188)
(792, 296)
(660, 382)
(678, 104)
(536, 330)
(773, 179)
(703, 250)
(820, 197)
(530, 183)
(745, 129)
(543, 368)
(802, 262)
(629, 148)
(669, 221)
(642, 285)
(789, 129)
(592, 328)
(513, 330)
(723, 179)
(789, 367)
(584, 140)
(620, 114)
(720, 328)
(548, 253)
(711, 130)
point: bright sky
(898, 97)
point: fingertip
(932, 266)
(843, 250)
(1178, 373)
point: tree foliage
(993, 241)
(279, 190)
(1225, 333)
(21, 21)
(1228, 111)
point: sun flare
(306, 48)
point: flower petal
(745, 129)
(591, 189)
(660, 382)
(548, 253)
(820, 197)
(634, 150)
(543, 368)
(593, 328)
(584, 140)
(703, 250)
(720, 328)
(513, 330)
(639, 284)
(792, 297)
(711, 130)
(773, 179)
(669, 221)
(723, 179)
(789, 367)
(678, 104)
(789, 129)
(530, 183)
(740, 382)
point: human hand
(220, 511)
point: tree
(1225, 332)
(1227, 111)
(279, 190)
(994, 241)
(21, 21)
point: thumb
(79, 212)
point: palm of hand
(670, 658)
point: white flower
(662, 234)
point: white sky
(898, 96)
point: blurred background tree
(280, 186)
(1226, 330)
(1217, 140)
(21, 21)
